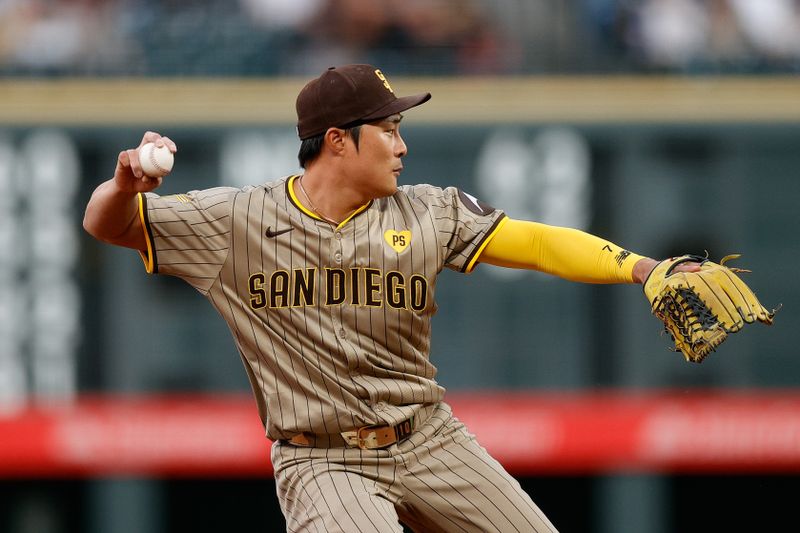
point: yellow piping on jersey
(477, 254)
(147, 256)
(311, 213)
(297, 201)
(354, 213)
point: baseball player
(327, 281)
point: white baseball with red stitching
(155, 162)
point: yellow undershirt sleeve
(564, 252)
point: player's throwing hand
(129, 175)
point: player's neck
(326, 197)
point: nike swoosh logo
(270, 234)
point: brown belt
(366, 437)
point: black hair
(311, 148)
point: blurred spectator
(347, 31)
(716, 35)
(60, 37)
(408, 36)
(672, 32)
(280, 14)
(45, 36)
(461, 29)
(273, 37)
(772, 26)
(726, 43)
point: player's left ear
(335, 139)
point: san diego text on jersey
(359, 286)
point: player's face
(377, 163)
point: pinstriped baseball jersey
(333, 323)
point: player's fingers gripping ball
(699, 309)
(156, 162)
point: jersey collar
(296, 201)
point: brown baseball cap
(347, 96)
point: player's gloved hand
(701, 307)
(129, 176)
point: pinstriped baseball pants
(439, 479)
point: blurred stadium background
(667, 126)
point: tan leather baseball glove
(699, 309)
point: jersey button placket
(336, 247)
(341, 331)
